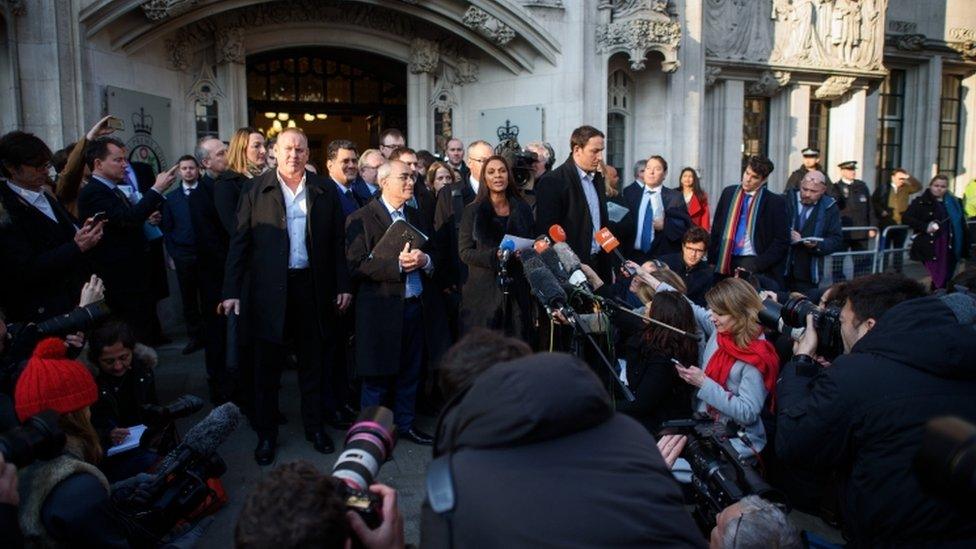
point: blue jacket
(823, 222)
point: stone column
(723, 136)
(967, 136)
(420, 120)
(868, 168)
(686, 92)
(799, 130)
(927, 162)
(781, 127)
(847, 116)
(232, 78)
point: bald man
(290, 245)
(815, 231)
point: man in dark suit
(343, 168)
(365, 185)
(573, 196)
(389, 300)
(289, 244)
(657, 218)
(455, 157)
(44, 253)
(423, 198)
(812, 214)
(854, 199)
(211, 154)
(751, 230)
(121, 258)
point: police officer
(854, 200)
(811, 161)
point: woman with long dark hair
(661, 394)
(247, 157)
(939, 223)
(695, 197)
(498, 210)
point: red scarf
(760, 354)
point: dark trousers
(188, 275)
(407, 379)
(896, 239)
(314, 361)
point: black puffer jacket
(539, 459)
(865, 415)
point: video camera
(719, 477)
(40, 437)
(520, 160)
(369, 443)
(791, 319)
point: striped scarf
(727, 243)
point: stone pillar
(799, 130)
(686, 93)
(780, 129)
(847, 115)
(723, 137)
(967, 136)
(927, 163)
(420, 120)
(868, 167)
(232, 78)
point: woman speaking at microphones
(495, 294)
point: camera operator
(908, 358)
(65, 500)
(9, 504)
(532, 452)
(296, 506)
(740, 365)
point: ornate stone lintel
(488, 26)
(834, 87)
(910, 42)
(638, 37)
(711, 75)
(205, 89)
(465, 72)
(157, 10)
(424, 56)
(178, 54)
(554, 4)
(229, 45)
(769, 83)
(963, 40)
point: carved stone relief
(555, 4)
(711, 75)
(465, 72)
(424, 56)
(812, 34)
(17, 7)
(769, 83)
(834, 87)
(229, 45)
(178, 54)
(638, 27)
(157, 10)
(205, 89)
(488, 26)
(963, 40)
(910, 42)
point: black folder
(395, 237)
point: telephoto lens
(39, 437)
(369, 443)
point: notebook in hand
(395, 237)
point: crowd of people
(281, 263)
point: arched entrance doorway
(330, 93)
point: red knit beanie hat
(53, 381)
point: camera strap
(440, 485)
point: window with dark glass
(616, 139)
(619, 88)
(206, 119)
(755, 127)
(949, 116)
(819, 129)
(891, 119)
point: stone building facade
(701, 82)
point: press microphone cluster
(605, 239)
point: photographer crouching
(907, 358)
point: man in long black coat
(573, 196)
(289, 243)
(390, 300)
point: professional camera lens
(39, 437)
(369, 443)
(770, 314)
(796, 310)
(77, 320)
(184, 406)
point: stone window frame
(755, 126)
(891, 92)
(620, 103)
(953, 126)
(818, 133)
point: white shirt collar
(189, 186)
(583, 173)
(110, 184)
(301, 184)
(391, 209)
(475, 184)
(32, 197)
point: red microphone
(610, 244)
(541, 244)
(557, 233)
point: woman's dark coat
(661, 394)
(919, 214)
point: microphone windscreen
(544, 285)
(557, 233)
(606, 240)
(566, 256)
(507, 244)
(551, 260)
(205, 437)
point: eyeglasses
(478, 160)
(696, 250)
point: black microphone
(571, 263)
(544, 284)
(549, 257)
(205, 437)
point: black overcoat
(667, 240)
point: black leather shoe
(264, 454)
(338, 419)
(320, 441)
(417, 436)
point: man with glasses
(690, 264)
(391, 139)
(42, 248)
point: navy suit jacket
(362, 192)
(667, 240)
(771, 240)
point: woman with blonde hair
(740, 366)
(439, 175)
(246, 158)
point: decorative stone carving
(157, 10)
(465, 72)
(963, 41)
(17, 7)
(488, 26)
(711, 75)
(229, 45)
(834, 87)
(424, 56)
(178, 54)
(555, 4)
(819, 35)
(769, 83)
(638, 27)
(910, 42)
(205, 89)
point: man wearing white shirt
(289, 245)
(658, 216)
(43, 249)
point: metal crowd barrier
(852, 263)
(894, 257)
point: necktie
(647, 229)
(414, 285)
(741, 226)
(121, 195)
(804, 215)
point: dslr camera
(719, 477)
(369, 444)
(791, 319)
